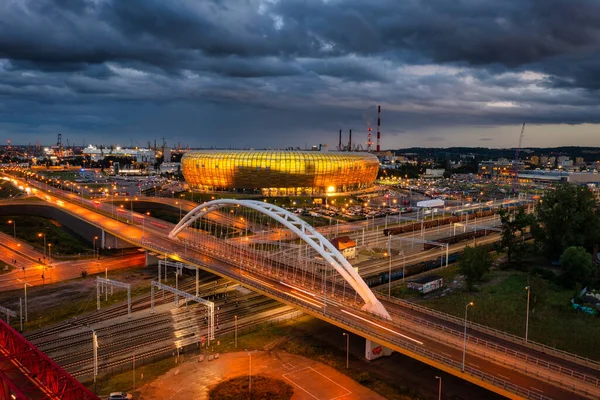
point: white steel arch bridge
(277, 248)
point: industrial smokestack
(350, 141)
(378, 128)
(340, 142)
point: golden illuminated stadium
(278, 172)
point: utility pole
(95, 350)
(347, 348)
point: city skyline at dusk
(274, 74)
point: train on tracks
(383, 277)
(456, 216)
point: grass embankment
(7, 190)
(77, 304)
(502, 304)
(61, 240)
(163, 214)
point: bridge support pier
(374, 350)
(152, 258)
(112, 242)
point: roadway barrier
(569, 385)
(587, 362)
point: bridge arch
(304, 231)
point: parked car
(120, 396)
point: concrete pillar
(151, 258)
(374, 350)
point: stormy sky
(287, 73)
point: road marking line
(505, 377)
(541, 391)
(332, 381)
(475, 365)
(307, 392)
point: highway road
(486, 367)
(35, 269)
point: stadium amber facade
(278, 172)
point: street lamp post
(50, 251)
(347, 348)
(527, 314)
(44, 236)
(465, 336)
(439, 378)
(14, 224)
(144, 224)
(390, 266)
(403, 266)
(250, 371)
(95, 238)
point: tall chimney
(340, 143)
(378, 128)
(350, 141)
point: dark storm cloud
(430, 63)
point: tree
(577, 267)
(514, 226)
(538, 287)
(566, 217)
(474, 263)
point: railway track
(167, 347)
(119, 310)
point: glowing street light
(347, 348)
(470, 304)
(44, 236)
(95, 238)
(14, 224)
(527, 315)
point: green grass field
(63, 241)
(502, 305)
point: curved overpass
(412, 339)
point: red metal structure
(27, 373)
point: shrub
(263, 387)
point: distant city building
(543, 176)
(345, 245)
(434, 173)
(534, 160)
(167, 155)
(579, 162)
(139, 154)
(584, 178)
(170, 168)
(279, 173)
(566, 163)
(501, 167)
(557, 175)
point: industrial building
(278, 172)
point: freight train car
(458, 238)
